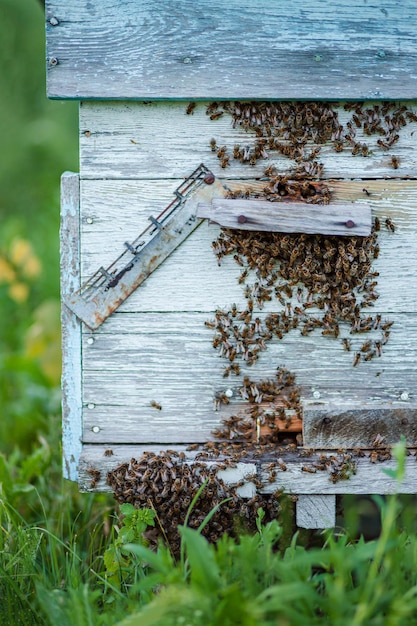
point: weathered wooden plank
(158, 140)
(316, 511)
(112, 212)
(369, 478)
(169, 358)
(101, 296)
(347, 220)
(71, 328)
(351, 49)
(327, 426)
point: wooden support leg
(316, 511)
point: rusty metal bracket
(105, 291)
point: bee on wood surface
(190, 108)
(395, 161)
(356, 359)
(108, 452)
(390, 224)
(221, 152)
(216, 115)
(213, 145)
(346, 344)
(225, 161)
(95, 474)
(377, 224)
(155, 405)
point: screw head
(381, 54)
(209, 178)
(327, 420)
(242, 219)
(53, 61)
(229, 393)
(349, 223)
(404, 395)
(186, 60)
(316, 394)
(96, 429)
(53, 21)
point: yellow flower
(20, 251)
(7, 273)
(31, 268)
(19, 292)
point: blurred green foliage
(38, 143)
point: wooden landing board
(348, 220)
(158, 140)
(369, 477)
(239, 49)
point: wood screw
(209, 179)
(349, 223)
(54, 21)
(53, 61)
(242, 219)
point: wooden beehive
(146, 376)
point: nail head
(327, 420)
(349, 223)
(242, 219)
(96, 429)
(91, 405)
(404, 395)
(54, 21)
(90, 341)
(53, 61)
(316, 394)
(89, 220)
(229, 393)
(209, 179)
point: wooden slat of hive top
(239, 49)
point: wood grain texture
(315, 511)
(359, 426)
(242, 49)
(370, 478)
(191, 280)
(347, 220)
(134, 359)
(149, 140)
(71, 327)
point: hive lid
(246, 49)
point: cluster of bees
(332, 276)
(288, 128)
(167, 483)
(272, 406)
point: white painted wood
(71, 327)
(134, 359)
(191, 280)
(370, 478)
(100, 297)
(348, 220)
(315, 511)
(239, 49)
(150, 140)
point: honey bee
(225, 161)
(377, 224)
(221, 152)
(346, 344)
(395, 161)
(216, 115)
(155, 405)
(213, 145)
(308, 469)
(108, 452)
(190, 108)
(390, 224)
(356, 359)
(95, 474)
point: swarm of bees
(289, 127)
(167, 483)
(305, 273)
(322, 283)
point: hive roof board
(240, 49)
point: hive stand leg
(316, 511)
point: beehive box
(141, 372)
